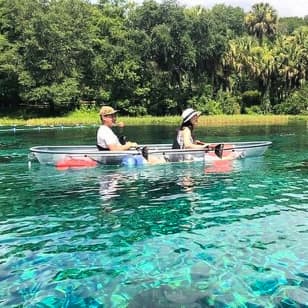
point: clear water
(174, 235)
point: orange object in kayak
(227, 152)
(76, 163)
(223, 164)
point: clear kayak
(90, 156)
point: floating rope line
(39, 128)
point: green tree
(52, 42)
(261, 21)
(117, 64)
(172, 53)
(15, 17)
(247, 58)
(296, 103)
(228, 20)
(287, 25)
(291, 55)
(210, 32)
(8, 74)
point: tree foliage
(261, 21)
(151, 58)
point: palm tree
(261, 21)
(292, 60)
(235, 62)
(249, 60)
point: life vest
(178, 142)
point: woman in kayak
(184, 138)
(106, 138)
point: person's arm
(107, 139)
(209, 145)
(187, 140)
(122, 147)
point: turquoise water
(174, 235)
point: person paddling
(184, 138)
(106, 138)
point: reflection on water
(172, 235)
(109, 185)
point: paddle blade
(145, 152)
(219, 149)
(122, 139)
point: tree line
(152, 58)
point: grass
(90, 117)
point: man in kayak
(106, 138)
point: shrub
(127, 108)
(212, 107)
(296, 103)
(253, 110)
(249, 99)
(228, 102)
(206, 105)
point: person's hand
(132, 144)
(120, 124)
(199, 142)
(206, 147)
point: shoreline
(90, 120)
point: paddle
(218, 149)
(95, 160)
(122, 139)
(144, 151)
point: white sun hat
(189, 113)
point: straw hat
(107, 110)
(189, 113)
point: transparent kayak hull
(90, 155)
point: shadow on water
(300, 167)
(5, 159)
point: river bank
(91, 118)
